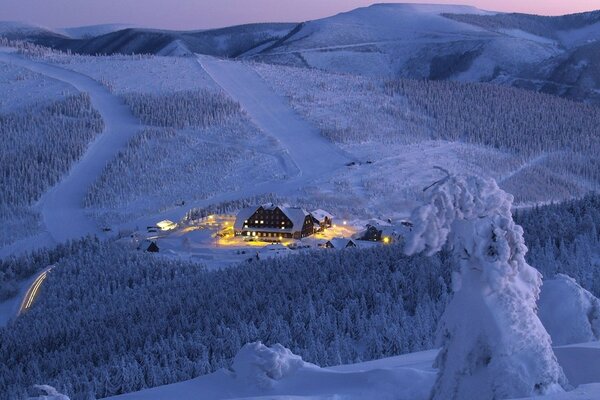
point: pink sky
(197, 14)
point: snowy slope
(409, 40)
(259, 372)
(62, 206)
(18, 30)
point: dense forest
(124, 320)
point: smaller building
(340, 243)
(372, 234)
(149, 246)
(166, 225)
(322, 219)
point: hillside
(225, 42)
(549, 54)
(556, 55)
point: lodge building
(269, 222)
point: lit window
(262, 222)
(247, 233)
(256, 221)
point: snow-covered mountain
(557, 55)
(21, 30)
(90, 31)
(113, 39)
(550, 54)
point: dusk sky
(198, 14)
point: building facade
(270, 222)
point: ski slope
(62, 206)
(312, 154)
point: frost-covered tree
(493, 343)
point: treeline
(565, 238)
(511, 119)
(193, 108)
(109, 321)
(40, 143)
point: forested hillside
(144, 321)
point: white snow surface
(311, 153)
(21, 88)
(569, 313)
(275, 373)
(146, 74)
(261, 372)
(405, 40)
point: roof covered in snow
(341, 243)
(242, 216)
(295, 214)
(320, 215)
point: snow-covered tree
(49, 393)
(493, 343)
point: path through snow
(311, 152)
(62, 206)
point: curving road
(33, 290)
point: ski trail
(61, 206)
(534, 161)
(312, 153)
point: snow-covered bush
(259, 365)
(198, 108)
(493, 344)
(49, 393)
(569, 313)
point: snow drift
(260, 365)
(569, 313)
